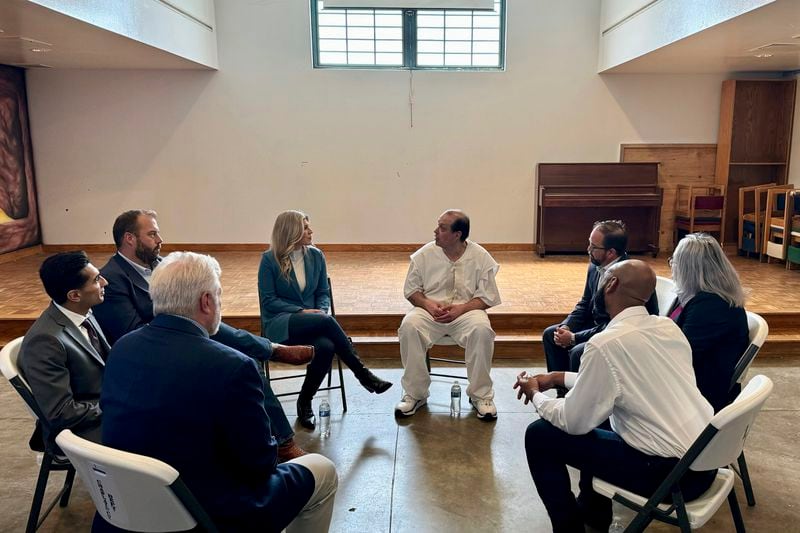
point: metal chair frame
(329, 387)
(50, 463)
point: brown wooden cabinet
(755, 138)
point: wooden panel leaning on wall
(679, 164)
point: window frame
(409, 31)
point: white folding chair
(758, 331)
(134, 492)
(718, 446)
(51, 461)
(665, 292)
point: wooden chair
(778, 220)
(792, 224)
(340, 386)
(700, 208)
(751, 217)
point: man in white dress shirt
(451, 282)
(637, 374)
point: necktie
(94, 339)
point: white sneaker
(408, 405)
(485, 408)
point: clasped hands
(444, 313)
(564, 337)
(529, 385)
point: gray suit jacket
(65, 374)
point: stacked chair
(778, 223)
(699, 208)
(751, 217)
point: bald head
(629, 283)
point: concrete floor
(434, 473)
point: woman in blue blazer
(295, 299)
(710, 312)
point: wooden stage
(369, 302)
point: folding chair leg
(680, 510)
(640, 521)
(67, 490)
(748, 486)
(341, 382)
(38, 494)
(736, 513)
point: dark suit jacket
(174, 394)
(719, 336)
(280, 298)
(586, 320)
(65, 374)
(127, 306)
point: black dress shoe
(305, 414)
(373, 383)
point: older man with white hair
(173, 393)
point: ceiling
(33, 36)
(765, 39)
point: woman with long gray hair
(295, 299)
(710, 312)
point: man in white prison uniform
(451, 282)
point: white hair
(180, 280)
(700, 265)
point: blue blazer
(279, 297)
(172, 393)
(127, 306)
(719, 336)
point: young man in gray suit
(63, 354)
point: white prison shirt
(453, 282)
(639, 372)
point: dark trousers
(328, 338)
(560, 359)
(259, 349)
(600, 453)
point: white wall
(219, 154)
(654, 24)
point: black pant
(600, 453)
(328, 338)
(560, 359)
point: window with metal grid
(408, 38)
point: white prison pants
(315, 517)
(472, 331)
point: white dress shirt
(299, 267)
(143, 271)
(453, 282)
(76, 319)
(638, 372)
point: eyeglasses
(593, 247)
(669, 261)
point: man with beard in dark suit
(564, 343)
(128, 306)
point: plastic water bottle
(455, 399)
(325, 419)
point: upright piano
(571, 196)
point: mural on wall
(19, 218)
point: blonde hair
(286, 233)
